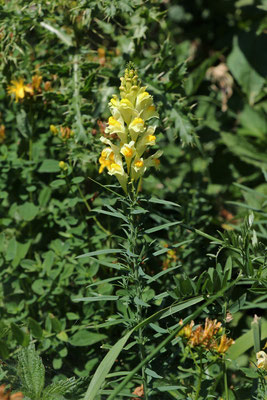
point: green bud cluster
(129, 82)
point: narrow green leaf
(97, 298)
(181, 306)
(61, 35)
(161, 201)
(104, 367)
(99, 252)
(245, 342)
(111, 213)
(160, 227)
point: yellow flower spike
(129, 114)
(19, 89)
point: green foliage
(70, 241)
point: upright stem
(77, 97)
(138, 287)
(199, 379)
(225, 381)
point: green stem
(225, 381)
(30, 159)
(199, 380)
(77, 98)
(138, 288)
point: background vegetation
(205, 64)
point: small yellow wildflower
(19, 89)
(62, 165)
(54, 129)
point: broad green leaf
(245, 342)
(11, 249)
(241, 62)
(22, 250)
(63, 336)
(183, 126)
(21, 337)
(35, 328)
(241, 147)
(86, 338)
(49, 166)
(4, 352)
(253, 123)
(28, 211)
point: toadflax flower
(125, 156)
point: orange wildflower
(36, 82)
(224, 345)
(2, 133)
(139, 391)
(206, 337)
(6, 395)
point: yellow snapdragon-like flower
(131, 136)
